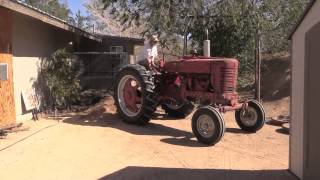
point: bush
(58, 83)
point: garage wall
(297, 104)
(32, 41)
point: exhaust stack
(206, 45)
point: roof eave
(136, 40)
(30, 11)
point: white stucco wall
(32, 40)
(297, 104)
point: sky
(76, 5)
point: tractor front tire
(253, 118)
(134, 94)
(181, 111)
(208, 125)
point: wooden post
(185, 45)
(258, 66)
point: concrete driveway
(97, 145)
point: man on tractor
(149, 52)
(206, 83)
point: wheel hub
(249, 117)
(129, 95)
(206, 126)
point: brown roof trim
(135, 40)
(310, 5)
(27, 10)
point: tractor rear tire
(208, 125)
(141, 84)
(252, 120)
(179, 111)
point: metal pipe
(225, 109)
(207, 34)
(206, 48)
(206, 45)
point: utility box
(3, 71)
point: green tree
(278, 18)
(105, 23)
(53, 7)
(171, 17)
(166, 17)
(80, 21)
(233, 24)
(232, 28)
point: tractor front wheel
(208, 125)
(252, 118)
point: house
(305, 95)
(28, 35)
(116, 44)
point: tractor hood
(201, 65)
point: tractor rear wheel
(178, 111)
(134, 93)
(251, 119)
(208, 125)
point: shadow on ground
(104, 119)
(99, 117)
(282, 131)
(141, 173)
(113, 121)
(237, 131)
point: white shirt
(148, 51)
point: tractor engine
(201, 80)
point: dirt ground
(95, 144)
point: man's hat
(154, 38)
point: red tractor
(209, 84)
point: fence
(102, 63)
(100, 68)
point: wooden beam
(258, 66)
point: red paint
(131, 97)
(201, 79)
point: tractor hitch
(224, 109)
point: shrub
(58, 83)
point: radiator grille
(229, 80)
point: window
(3, 71)
(117, 49)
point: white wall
(32, 40)
(297, 104)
